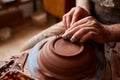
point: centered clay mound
(64, 60)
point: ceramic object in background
(59, 59)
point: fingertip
(72, 40)
(66, 36)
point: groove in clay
(64, 60)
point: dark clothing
(113, 55)
(108, 12)
(108, 3)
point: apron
(108, 12)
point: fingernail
(72, 40)
(65, 33)
(65, 36)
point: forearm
(84, 4)
(51, 31)
(114, 33)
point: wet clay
(63, 60)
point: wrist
(112, 33)
(87, 10)
(108, 35)
(85, 4)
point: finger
(70, 31)
(68, 20)
(88, 36)
(69, 34)
(76, 15)
(81, 32)
(64, 21)
(80, 22)
(69, 17)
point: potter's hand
(87, 28)
(74, 15)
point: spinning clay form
(64, 60)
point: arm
(84, 4)
(51, 31)
(114, 32)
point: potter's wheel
(33, 62)
(32, 58)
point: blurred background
(22, 19)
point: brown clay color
(65, 48)
(64, 60)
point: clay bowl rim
(65, 55)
